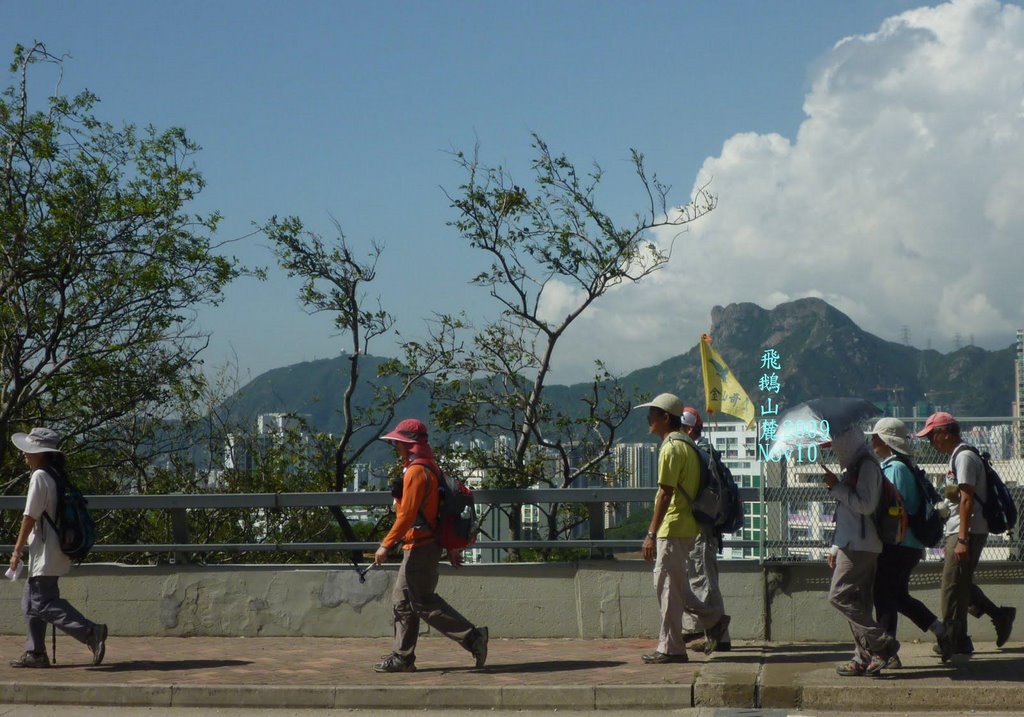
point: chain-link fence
(799, 512)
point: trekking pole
(363, 571)
(53, 642)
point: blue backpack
(73, 525)
(926, 523)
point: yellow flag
(722, 392)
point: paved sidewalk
(520, 674)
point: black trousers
(892, 589)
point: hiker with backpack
(416, 528)
(673, 529)
(41, 601)
(706, 630)
(853, 556)
(890, 440)
(968, 488)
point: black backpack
(72, 525)
(926, 523)
(717, 503)
(999, 510)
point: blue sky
(858, 149)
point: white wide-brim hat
(894, 433)
(38, 440)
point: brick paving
(520, 674)
(349, 661)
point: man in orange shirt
(415, 524)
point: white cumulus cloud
(900, 200)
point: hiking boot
(1004, 624)
(944, 646)
(97, 642)
(893, 663)
(32, 659)
(699, 643)
(964, 648)
(715, 634)
(478, 645)
(395, 663)
(661, 658)
(851, 669)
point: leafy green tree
(538, 239)
(101, 268)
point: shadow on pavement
(973, 671)
(1012, 650)
(527, 667)
(808, 654)
(167, 665)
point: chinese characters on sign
(795, 439)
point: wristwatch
(650, 535)
(963, 541)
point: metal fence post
(180, 534)
(595, 516)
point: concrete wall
(798, 596)
(585, 600)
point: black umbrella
(817, 421)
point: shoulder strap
(853, 473)
(437, 485)
(962, 447)
(966, 447)
(917, 472)
(985, 466)
(853, 470)
(682, 437)
(57, 482)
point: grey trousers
(42, 604)
(852, 594)
(674, 594)
(414, 599)
(702, 572)
(960, 595)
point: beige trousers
(674, 593)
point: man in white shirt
(966, 534)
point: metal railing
(179, 505)
(774, 543)
(789, 517)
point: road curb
(510, 697)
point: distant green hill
(824, 353)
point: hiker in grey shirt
(854, 554)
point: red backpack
(890, 517)
(456, 525)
